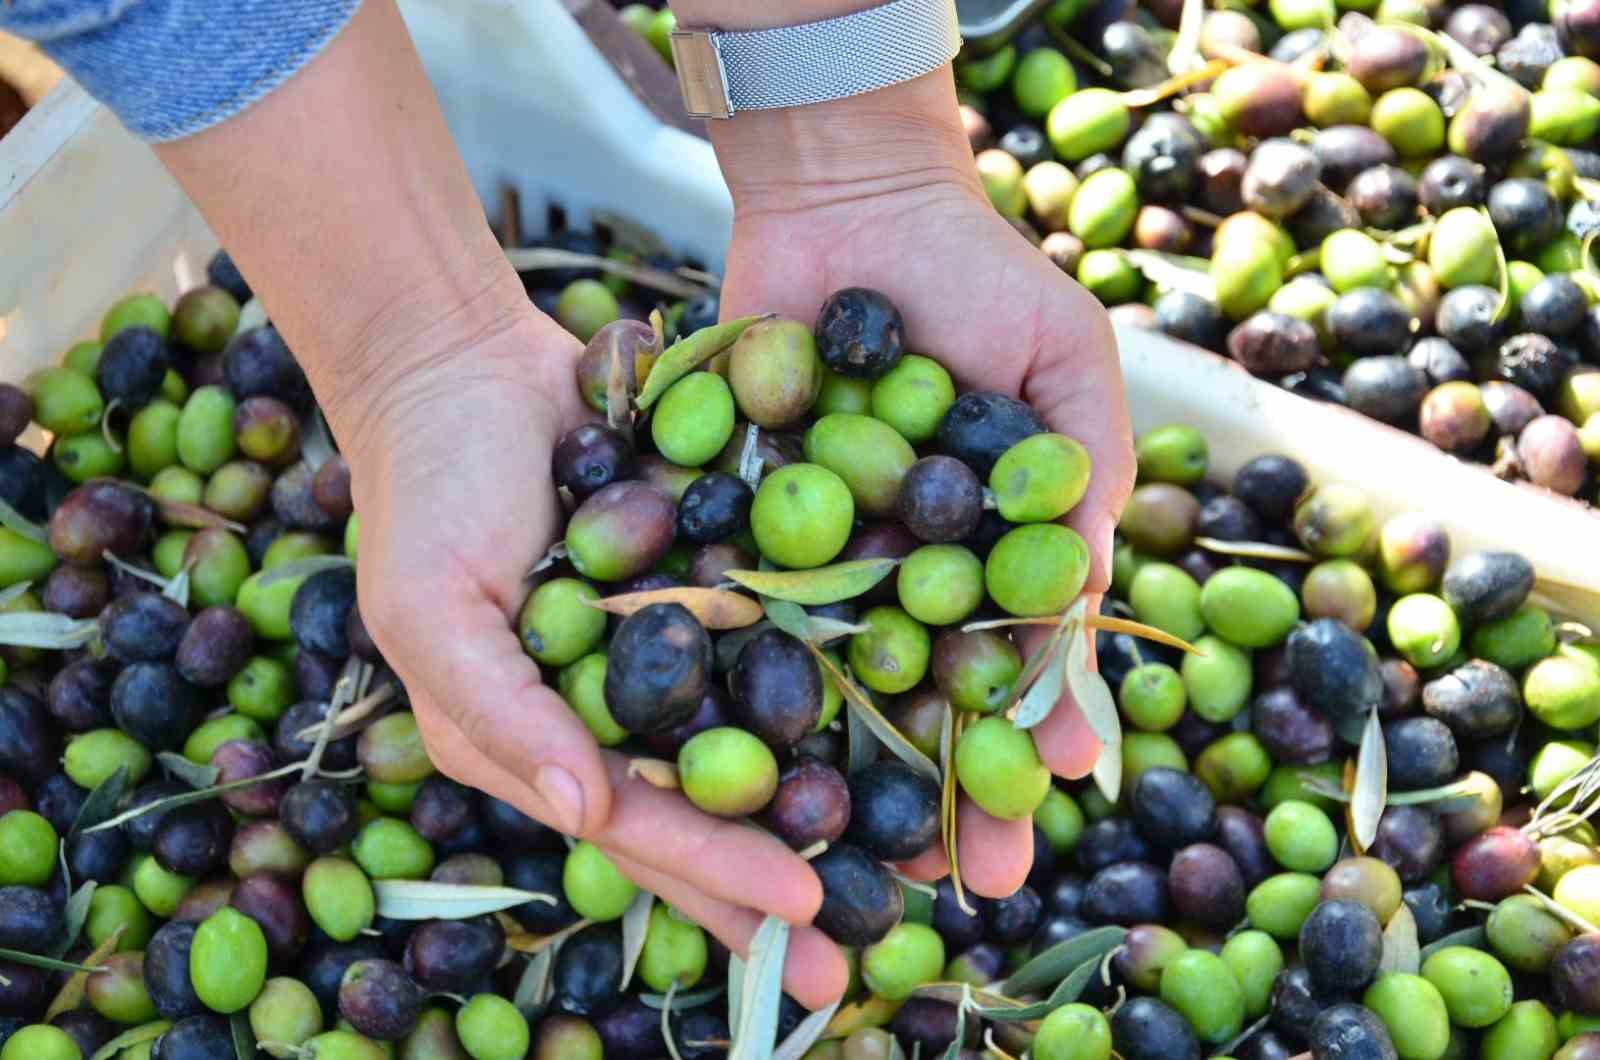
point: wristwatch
(721, 73)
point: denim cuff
(169, 68)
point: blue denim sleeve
(169, 68)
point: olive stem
(815, 850)
(1243, 1036)
(1560, 910)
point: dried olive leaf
(881, 727)
(820, 585)
(750, 457)
(21, 525)
(534, 944)
(687, 354)
(304, 568)
(869, 1012)
(101, 802)
(193, 517)
(1401, 952)
(428, 900)
(951, 993)
(1371, 784)
(46, 629)
(1057, 962)
(635, 926)
(949, 803)
(172, 802)
(803, 1037)
(1112, 624)
(244, 1039)
(72, 991)
(1502, 308)
(1254, 550)
(713, 608)
(1472, 937)
(619, 388)
(1149, 97)
(656, 772)
(191, 773)
(761, 993)
(148, 1032)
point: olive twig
(1560, 910)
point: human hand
(885, 196)
(451, 477)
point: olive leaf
(760, 992)
(620, 382)
(1254, 550)
(428, 900)
(1453, 797)
(12, 593)
(36, 960)
(21, 525)
(789, 617)
(71, 994)
(74, 916)
(46, 629)
(251, 315)
(1472, 937)
(1174, 271)
(635, 928)
(684, 1002)
(553, 555)
(1057, 962)
(713, 608)
(863, 746)
(244, 1039)
(537, 984)
(344, 692)
(1371, 787)
(1401, 952)
(148, 1032)
(819, 585)
(191, 773)
(172, 802)
(666, 1021)
(303, 568)
(177, 589)
(687, 354)
(953, 1051)
(803, 1037)
(316, 441)
(1037, 703)
(101, 802)
(881, 727)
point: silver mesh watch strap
(722, 73)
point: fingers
(996, 855)
(815, 972)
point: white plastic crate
(87, 215)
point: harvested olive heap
(1341, 807)
(1380, 204)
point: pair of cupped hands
(452, 479)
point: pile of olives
(1379, 204)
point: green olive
(228, 961)
(1037, 569)
(1088, 121)
(868, 455)
(1103, 210)
(1040, 479)
(999, 768)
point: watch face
(988, 24)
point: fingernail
(563, 796)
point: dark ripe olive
(141, 830)
(1451, 181)
(710, 713)
(981, 425)
(442, 807)
(515, 830)
(825, 746)
(324, 967)
(631, 337)
(1280, 177)
(1525, 214)
(1489, 123)
(1422, 753)
(1160, 518)
(330, 488)
(378, 999)
(257, 362)
(714, 507)
(1012, 920)
(813, 804)
(266, 430)
(1575, 975)
(320, 815)
(1486, 585)
(1135, 57)
(1228, 518)
(940, 500)
(24, 991)
(1341, 943)
(1187, 316)
(591, 456)
(58, 800)
(1350, 1032)
(166, 970)
(222, 272)
(1510, 407)
(193, 840)
(1221, 174)
(1482, 28)
(1535, 363)
(1331, 666)
(709, 566)
(1369, 321)
(982, 962)
(1272, 485)
(320, 609)
(1147, 1029)
(1323, 214)
(859, 333)
(1495, 864)
(622, 530)
(1467, 319)
(1552, 456)
(16, 412)
(633, 1028)
(240, 760)
(80, 694)
(77, 592)
(689, 1031)
(1584, 1046)
(1387, 57)
(1159, 228)
(293, 503)
(1267, 1045)
(1389, 389)
(131, 367)
(658, 667)
(1109, 841)
(291, 747)
(1162, 156)
(29, 920)
(1439, 361)
(216, 645)
(24, 482)
(1129, 892)
(1259, 99)
(1411, 840)
(776, 689)
(959, 929)
(143, 627)
(924, 1025)
(1242, 834)
(197, 1037)
(1274, 344)
(1207, 886)
(1027, 144)
(860, 899)
(1345, 150)
(204, 899)
(1291, 731)
(1476, 699)
(361, 643)
(1555, 306)
(1430, 907)
(12, 797)
(541, 874)
(1199, 564)
(260, 538)
(274, 904)
(455, 955)
(588, 972)
(1043, 867)
(154, 704)
(1386, 196)
(98, 517)
(88, 1029)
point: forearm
(342, 198)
